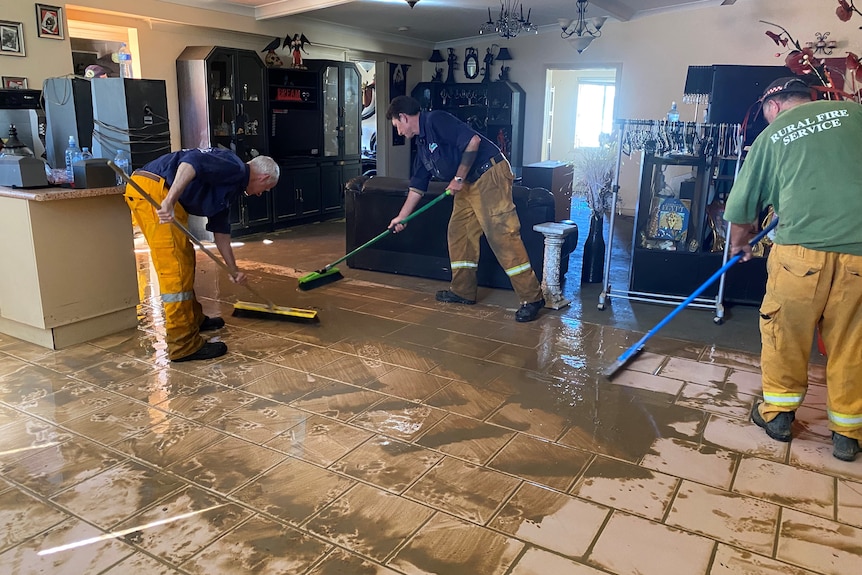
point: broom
(639, 345)
(240, 309)
(329, 273)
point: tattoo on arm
(467, 159)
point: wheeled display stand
(678, 238)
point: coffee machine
(23, 109)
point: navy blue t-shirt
(440, 143)
(220, 176)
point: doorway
(579, 105)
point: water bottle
(123, 162)
(86, 154)
(673, 113)
(71, 150)
(124, 59)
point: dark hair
(402, 105)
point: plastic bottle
(71, 150)
(86, 154)
(123, 162)
(124, 59)
(673, 113)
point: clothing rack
(685, 141)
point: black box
(69, 112)
(130, 115)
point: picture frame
(14, 83)
(11, 38)
(49, 21)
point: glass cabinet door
(331, 115)
(352, 111)
(221, 86)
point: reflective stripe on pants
(805, 288)
(486, 206)
(173, 258)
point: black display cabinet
(222, 96)
(495, 110)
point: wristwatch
(459, 179)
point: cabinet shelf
(496, 106)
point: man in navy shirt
(480, 178)
(201, 183)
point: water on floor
(402, 435)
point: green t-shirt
(808, 165)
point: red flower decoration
(844, 11)
(800, 61)
(777, 38)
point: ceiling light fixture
(511, 21)
(412, 3)
(581, 32)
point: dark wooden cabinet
(308, 120)
(556, 177)
(495, 110)
(223, 104)
(297, 194)
(315, 116)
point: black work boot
(447, 296)
(843, 447)
(779, 428)
(210, 350)
(529, 311)
(211, 323)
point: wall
(54, 57)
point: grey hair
(266, 165)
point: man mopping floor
(202, 183)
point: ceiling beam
(281, 8)
(615, 8)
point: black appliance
(735, 91)
(69, 110)
(22, 108)
(130, 115)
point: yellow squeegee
(266, 310)
(248, 309)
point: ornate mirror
(471, 64)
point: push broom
(268, 310)
(330, 273)
(637, 347)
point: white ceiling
(437, 21)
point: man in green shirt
(806, 164)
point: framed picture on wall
(11, 38)
(49, 21)
(14, 83)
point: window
(595, 113)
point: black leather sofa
(421, 250)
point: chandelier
(581, 32)
(510, 23)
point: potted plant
(592, 177)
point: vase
(593, 268)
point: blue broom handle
(723, 269)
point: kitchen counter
(68, 265)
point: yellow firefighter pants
(486, 206)
(806, 288)
(173, 258)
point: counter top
(48, 194)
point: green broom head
(319, 278)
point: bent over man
(480, 178)
(202, 183)
(806, 165)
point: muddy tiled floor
(404, 436)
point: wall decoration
(397, 87)
(49, 21)
(11, 38)
(14, 83)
